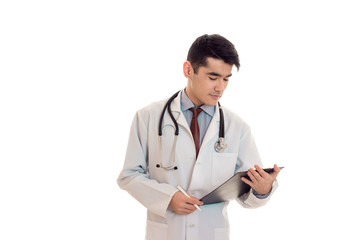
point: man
(155, 165)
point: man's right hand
(181, 204)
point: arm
(253, 200)
(133, 178)
(264, 187)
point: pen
(183, 191)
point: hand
(181, 204)
(261, 181)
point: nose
(220, 85)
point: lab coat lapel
(204, 161)
(179, 117)
(213, 129)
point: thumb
(276, 171)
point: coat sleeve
(248, 156)
(250, 200)
(134, 179)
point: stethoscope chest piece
(220, 145)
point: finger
(184, 211)
(185, 207)
(276, 168)
(255, 174)
(247, 181)
(189, 211)
(276, 171)
(190, 207)
(194, 200)
(251, 176)
(261, 171)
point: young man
(159, 157)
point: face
(209, 83)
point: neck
(192, 97)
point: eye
(226, 79)
(212, 78)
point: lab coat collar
(211, 132)
(178, 115)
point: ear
(188, 70)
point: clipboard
(232, 188)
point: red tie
(194, 127)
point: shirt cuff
(261, 196)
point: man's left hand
(260, 180)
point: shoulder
(232, 115)
(152, 110)
(233, 120)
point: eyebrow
(218, 74)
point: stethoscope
(219, 146)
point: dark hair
(214, 46)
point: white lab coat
(154, 187)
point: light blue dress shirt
(204, 118)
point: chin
(211, 103)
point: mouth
(215, 96)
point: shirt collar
(186, 103)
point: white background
(73, 73)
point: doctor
(159, 157)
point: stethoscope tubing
(219, 145)
(167, 106)
(222, 127)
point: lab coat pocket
(156, 231)
(221, 234)
(223, 167)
